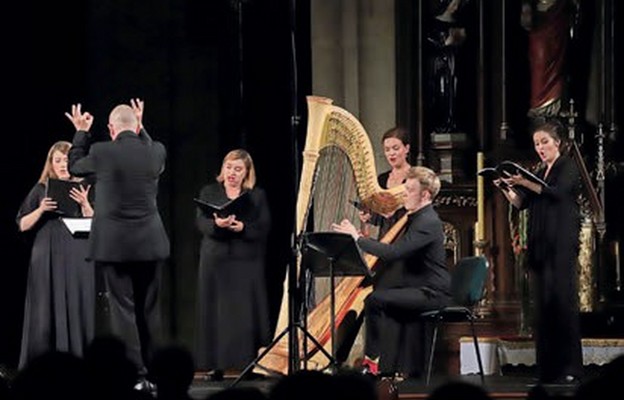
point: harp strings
(332, 199)
(334, 188)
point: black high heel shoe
(568, 380)
(565, 380)
(144, 385)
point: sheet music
(78, 225)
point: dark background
(184, 59)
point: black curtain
(187, 60)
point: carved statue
(549, 24)
(445, 39)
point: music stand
(341, 257)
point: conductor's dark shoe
(144, 385)
(568, 380)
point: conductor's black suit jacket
(126, 226)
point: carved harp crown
(329, 125)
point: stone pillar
(353, 62)
(449, 148)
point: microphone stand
(295, 118)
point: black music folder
(508, 168)
(235, 206)
(58, 190)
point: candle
(618, 277)
(480, 231)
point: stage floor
(516, 386)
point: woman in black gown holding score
(233, 314)
(553, 245)
(59, 313)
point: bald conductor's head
(122, 118)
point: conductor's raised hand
(81, 121)
(138, 106)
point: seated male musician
(420, 281)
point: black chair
(467, 286)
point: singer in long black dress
(553, 245)
(233, 313)
(59, 313)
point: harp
(338, 166)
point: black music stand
(334, 254)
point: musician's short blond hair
(428, 179)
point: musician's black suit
(128, 239)
(416, 280)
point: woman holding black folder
(59, 313)
(553, 244)
(232, 307)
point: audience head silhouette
(239, 393)
(5, 388)
(459, 390)
(303, 385)
(352, 384)
(110, 372)
(54, 374)
(172, 370)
